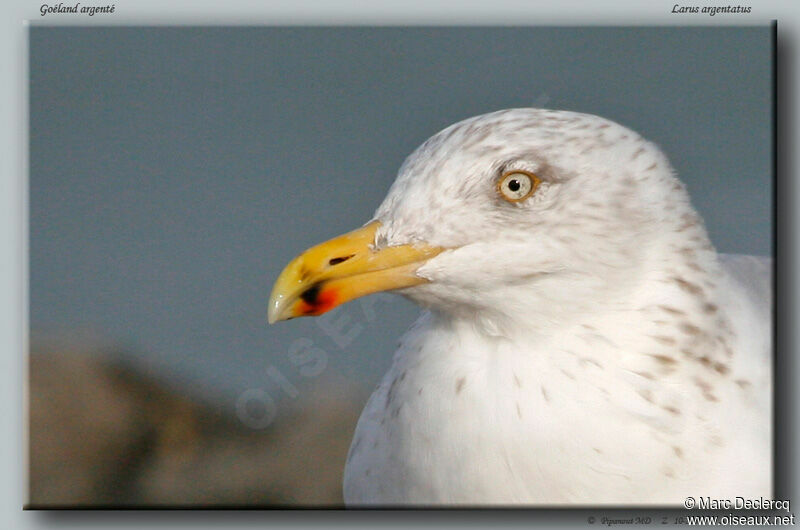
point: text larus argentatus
(582, 341)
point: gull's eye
(517, 185)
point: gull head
(504, 215)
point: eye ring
(517, 185)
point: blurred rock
(104, 433)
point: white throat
(474, 411)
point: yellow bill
(342, 269)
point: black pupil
(513, 185)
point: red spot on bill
(324, 301)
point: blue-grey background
(175, 171)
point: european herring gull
(581, 342)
